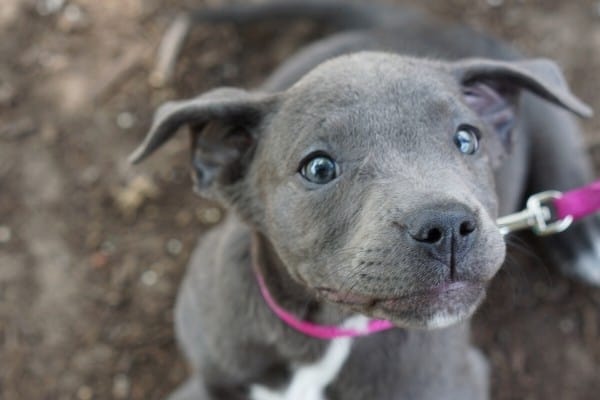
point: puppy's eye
(320, 169)
(466, 139)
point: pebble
(18, 129)
(129, 199)
(109, 247)
(121, 386)
(566, 325)
(149, 278)
(209, 215)
(5, 234)
(90, 176)
(49, 7)
(125, 120)
(495, 3)
(85, 393)
(99, 259)
(8, 94)
(113, 298)
(72, 19)
(174, 247)
(183, 218)
(49, 133)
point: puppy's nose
(447, 232)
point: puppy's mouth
(454, 301)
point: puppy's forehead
(376, 93)
(371, 68)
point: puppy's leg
(559, 161)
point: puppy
(363, 181)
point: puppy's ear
(491, 89)
(225, 124)
(231, 106)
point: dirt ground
(92, 249)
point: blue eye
(466, 139)
(320, 169)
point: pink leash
(579, 203)
(569, 206)
(316, 330)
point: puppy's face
(372, 177)
(379, 193)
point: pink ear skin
(494, 107)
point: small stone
(209, 215)
(49, 133)
(5, 234)
(54, 62)
(174, 247)
(108, 247)
(121, 386)
(7, 94)
(129, 199)
(566, 325)
(495, 3)
(18, 129)
(85, 393)
(49, 7)
(99, 259)
(183, 218)
(125, 120)
(149, 278)
(72, 19)
(90, 175)
(114, 298)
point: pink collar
(315, 330)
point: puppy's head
(372, 176)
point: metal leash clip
(536, 216)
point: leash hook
(535, 216)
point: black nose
(447, 232)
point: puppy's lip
(437, 293)
(444, 293)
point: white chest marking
(309, 381)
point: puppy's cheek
(493, 251)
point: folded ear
(491, 88)
(232, 107)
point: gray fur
(328, 252)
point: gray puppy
(365, 186)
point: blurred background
(92, 249)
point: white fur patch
(309, 381)
(444, 320)
(586, 263)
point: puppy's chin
(434, 308)
(439, 319)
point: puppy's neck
(285, 290)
